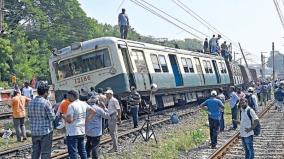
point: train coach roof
(91, 44)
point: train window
(155, 63)
(87, 62)
(163, 63)
(139, 60)
(190, 65)
(224, 68)
(184, 64)
(209, 67)
(205, 66)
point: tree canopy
(34, 27)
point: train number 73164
(82, 79)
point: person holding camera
(134, 100)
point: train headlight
(112, 71)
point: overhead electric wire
(175, 18)
(192, 13)
(279, 12)
(164, 18)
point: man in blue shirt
(279, 96)
(94, 127)
(213, 105)
(123, 23)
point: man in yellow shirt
(14, 79)
(18, 105)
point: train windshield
(84, 63)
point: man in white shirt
(115, 114)
(246, 128)
(28, 91)
(76, 118)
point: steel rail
(220, 152)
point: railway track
(270, 144)
(106, 139)
(124, 130)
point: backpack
(250, 101)
(257, 129)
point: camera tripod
(147, 127)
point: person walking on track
(213, 105)
(279, 96)
(234, 99)
(134, 100)
(249, 121)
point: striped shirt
(41, 116)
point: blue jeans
(214, 125)
(222, 122)
(93, 144)
(248, 146)
(76, 145)
(42, 146)
(234, 116)
(134, 112)
(123, 31)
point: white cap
(250, 89)
(213, 93)
(109, 91)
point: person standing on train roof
(134, 101)
(41, 117)
(213, 105)
(234, 99)
(27, 90)
(222, 97)
(18, 105)
(224, 51)
(213, 44)
(115, 115)
(205, 46)
(76, 118)
(123, 23)
(247, 124)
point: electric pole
(2, 12)
(273, 62)
(263, 65)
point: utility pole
(263, 65)
(273, 62)
(243, 55)
(2, 12)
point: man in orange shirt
(18, 105)
(62, 109)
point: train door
(128, 65)
(142, 76)
(176, 70)
(217, 73)
(199, 70)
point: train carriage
(182, 76)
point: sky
(253, 23)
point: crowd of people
(84, 115)
(244, 106)
(212, 47)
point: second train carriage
(182, 76)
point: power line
(192, 13)
(162, 17)
(174, 18)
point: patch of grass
(170, 144)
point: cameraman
(134, 100)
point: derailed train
(182, 76)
